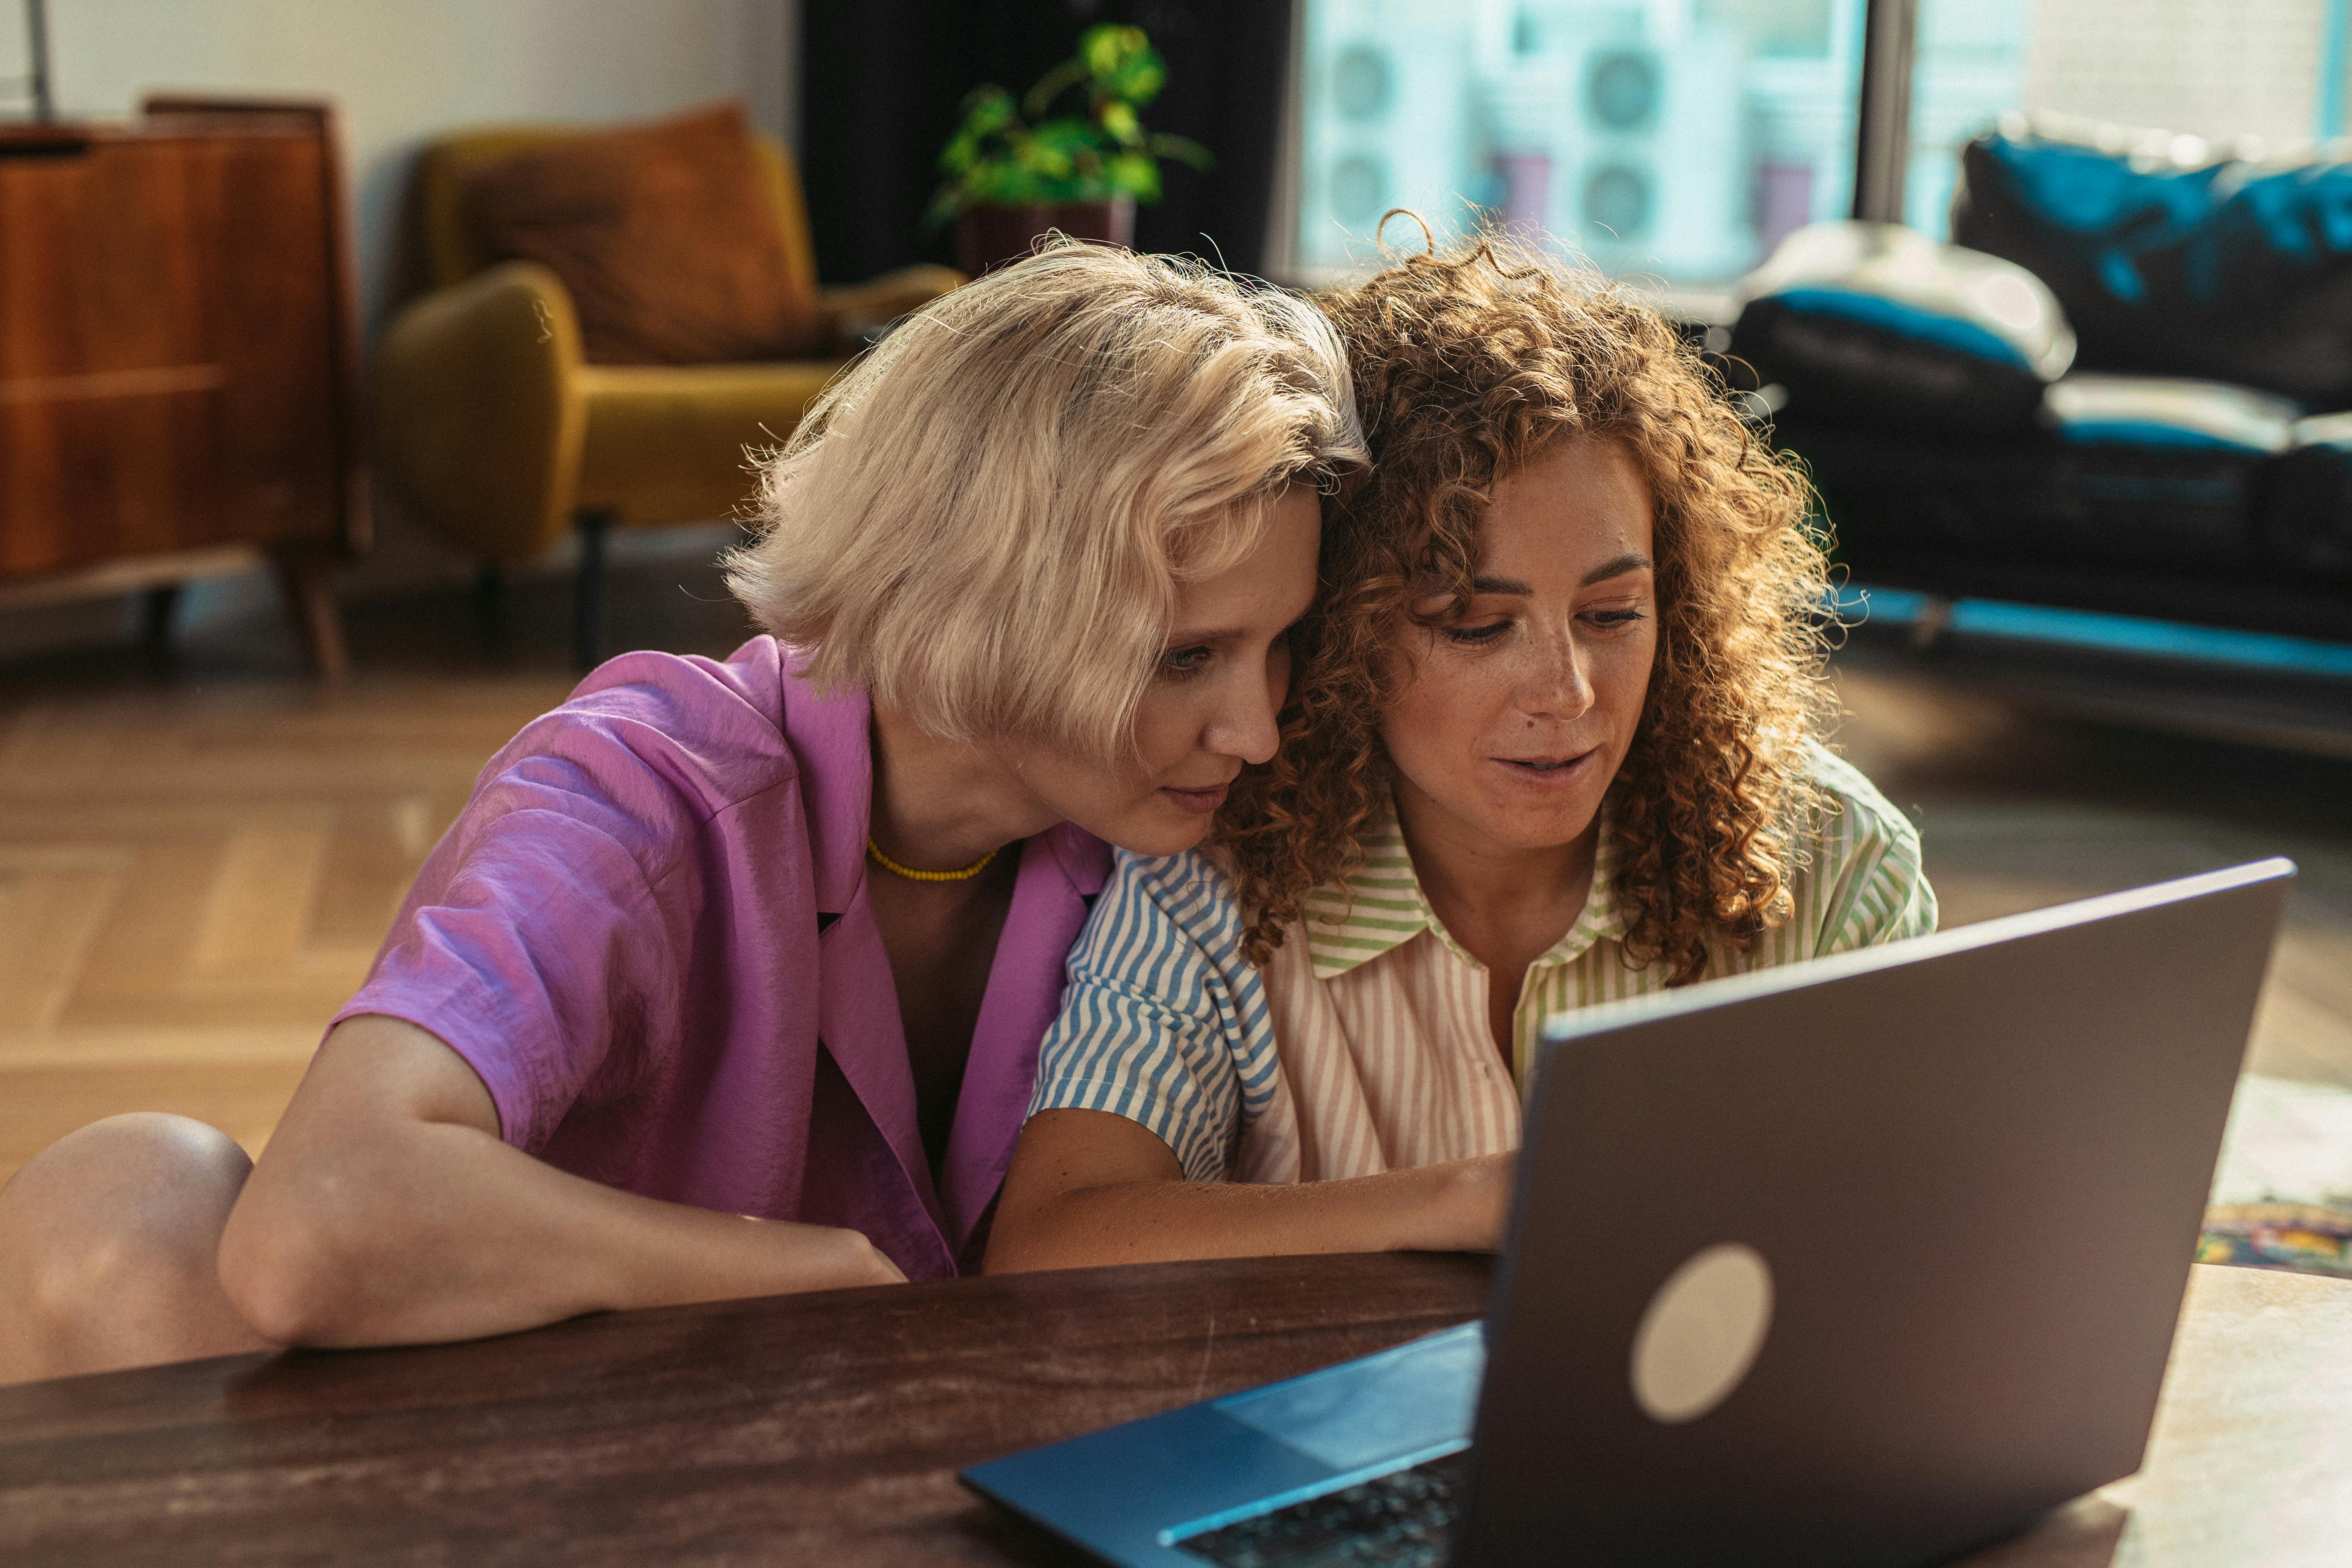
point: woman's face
(1512, 721)
(1210, 706)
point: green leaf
(1009, 155)
(1183, 149)
(1123, 63)
(1107, 47)
(1039, 156)
(1069, 135)
(1135, 175)
(1139, 81)
(1003, 184)
(986, 109)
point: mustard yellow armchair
(501, 436)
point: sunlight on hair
(985, 521)
(1469, 360)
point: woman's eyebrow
(1631, 561)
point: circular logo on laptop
(1701, 1332)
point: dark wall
(882, 80)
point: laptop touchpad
(1419, 1395)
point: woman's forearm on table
(1086, 1188)
(1432, 1208)
(411, 1221)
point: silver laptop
(1862, 1261)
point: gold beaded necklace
(965, 875)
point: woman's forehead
(1574, 509)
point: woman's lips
(1198, 801)
(1549, 771)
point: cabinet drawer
(167, 365)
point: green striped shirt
(1860, 883)
(1364, 1044)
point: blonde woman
(728, 981)
(1553, 743)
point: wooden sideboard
(178, 354)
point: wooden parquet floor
(191, 881)
(197, 863)
(2019, 808)
(196, 867)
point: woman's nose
(1557, 686)
(1246, 723)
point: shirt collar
(830, 735)
(828, 731)
(1383, 907)
(1085, 860)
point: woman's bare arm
(1090, 1188)
(386, 1210)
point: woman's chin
(1554, 826)
(1155, 828)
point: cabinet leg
(158, 607)
(588, 604)
(306, 582)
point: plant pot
(988, 237)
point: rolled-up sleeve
(1873, 884)
(533, 943)
(1890, 900)
(1158, 1013)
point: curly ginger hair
(1467, 362)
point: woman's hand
(821, 1258)
(1468, 1203)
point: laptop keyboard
(1402, 1519)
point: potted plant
(1011, 174)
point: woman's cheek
(1630, 679)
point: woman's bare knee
(107, 1241)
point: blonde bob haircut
(985, 522)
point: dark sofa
(2123, 389)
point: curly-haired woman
(1553, 742)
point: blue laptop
(1857, 1262)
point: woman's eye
(1611, 619)
(1178, 663)
(1471, 637)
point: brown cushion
(665, 234)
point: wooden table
(827, 1429)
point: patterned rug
(2310, 1238)
(2283, 1196)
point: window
(1680, 140)
(1969, 71)
(1676, 138)
(2180, 80)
